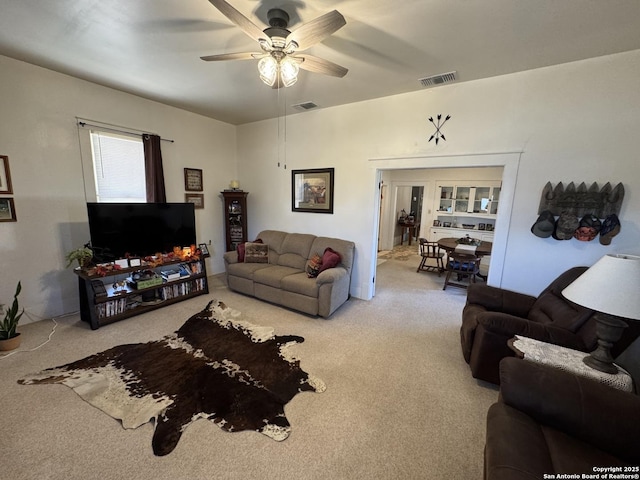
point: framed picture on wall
(312, 190)
(5, 175)
(7, 210)
(196, 198)
(204, 249)
(193, 180)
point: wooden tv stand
(112, 298)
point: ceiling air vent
(305, 106)
(438, 79)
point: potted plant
(82, 255)
(9, 338)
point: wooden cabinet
(120, 294)
(235, 217)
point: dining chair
(463, 265)
(430, 250)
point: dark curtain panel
(154, 173)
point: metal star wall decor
(438, 124)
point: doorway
(508, 161)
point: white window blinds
(118, 166)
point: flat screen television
(139, 229)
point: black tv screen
(139, 229)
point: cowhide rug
(216, 366)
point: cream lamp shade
(611, 286)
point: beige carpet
(400, 401)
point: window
(118, 167)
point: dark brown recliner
(548, 421)
(492, 316)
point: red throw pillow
(330, 259)
(240, 249)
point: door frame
(509, 161)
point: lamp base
(608, 330)
(599, 365)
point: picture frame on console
(312, 190)
(204, 249)
(193, 180)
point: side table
(568, 360)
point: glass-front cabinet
(468, 200)
(235, 217)
(469, 208)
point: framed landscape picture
(5, 175)
(193, 180)
(312, 190)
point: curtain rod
(85, 124)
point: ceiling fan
(280, 60)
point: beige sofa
(284, 281)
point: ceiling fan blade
(316, 30)
(320, 65)
(233, 56)
(240, 20)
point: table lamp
(611, 287)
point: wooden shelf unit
(235, 217)
(102, 303)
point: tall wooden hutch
(235, 217)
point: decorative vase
(10, 343)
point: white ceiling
(152, 48)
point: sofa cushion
(241, 249)
(313, 266)
(552, 308)
(273, 275)
(330, 259)
(570, 454)
(256, 253)
(274, 239)
(344, 247)
(295, 250)
(300, 283)
(245, 270)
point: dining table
(449, 244)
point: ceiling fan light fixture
(268, 69)
(289, 69)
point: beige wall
(573, 122)
(39, 134)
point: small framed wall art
(7, 210)
(204, 249)
(196, 198)
(5, 175)
(193, 180)
(312, 190)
